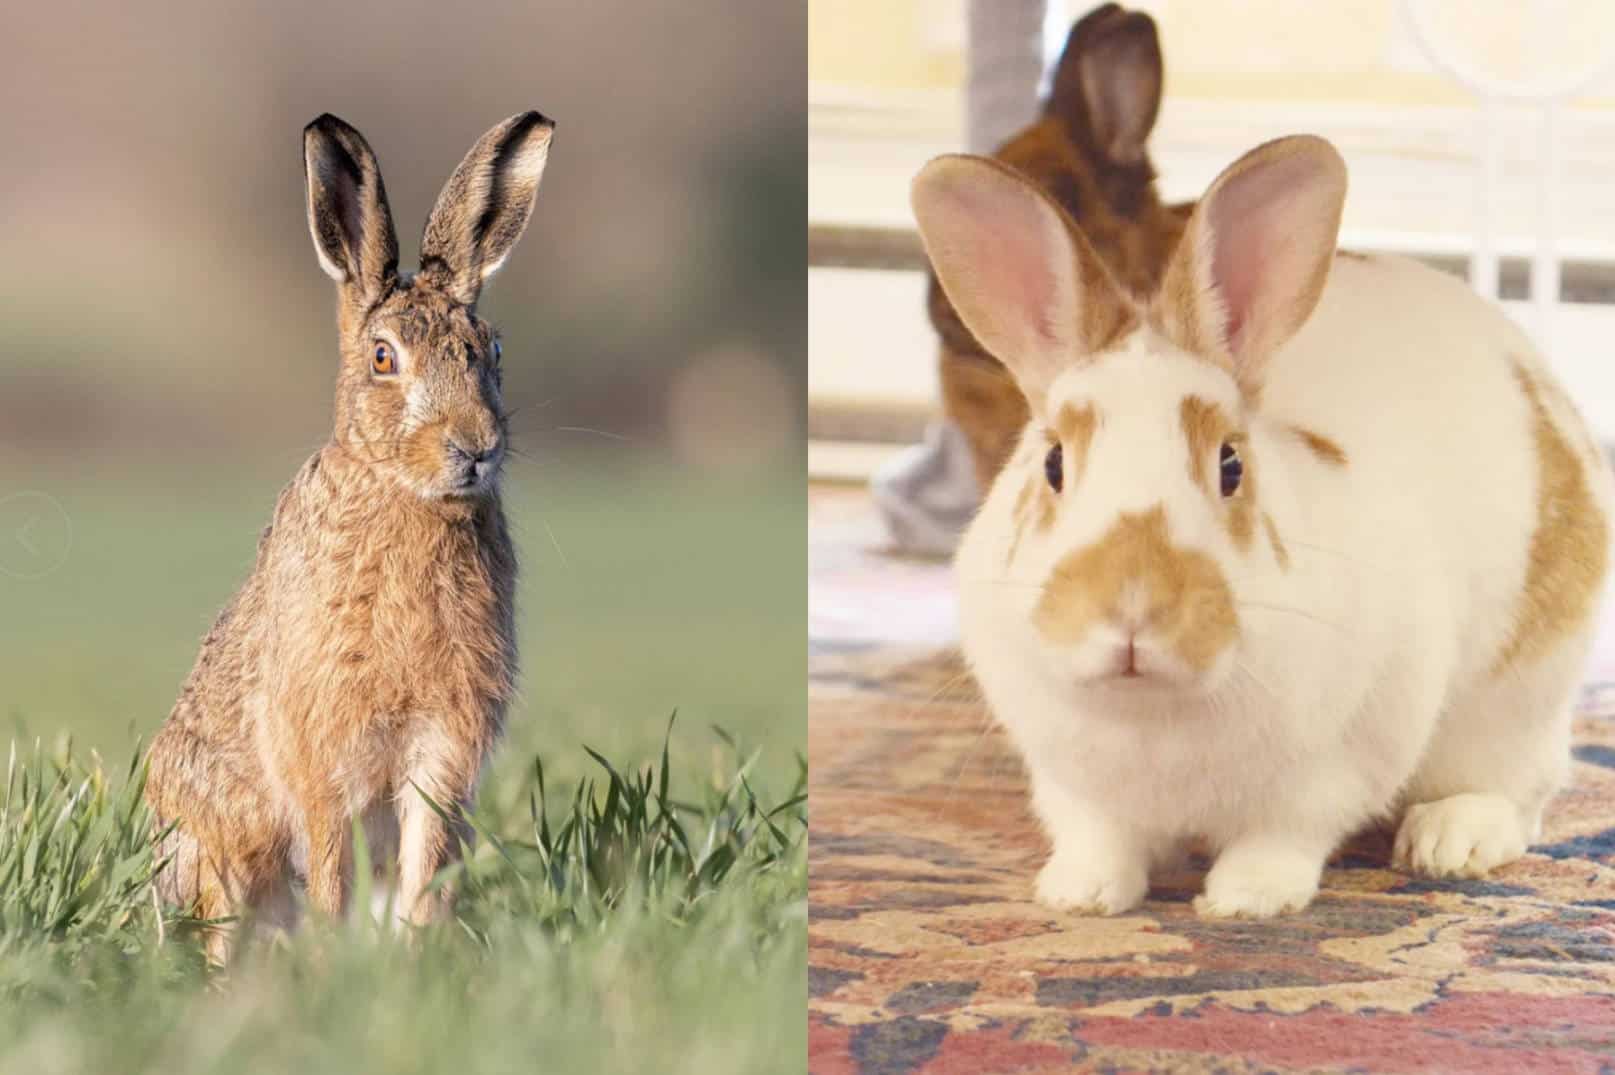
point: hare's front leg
(330, 851)
(446, 771)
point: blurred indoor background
(167, 341)
(887, 91)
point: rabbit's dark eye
(1232, 469)
(497, 350)
(383, 361)
(1054, 468)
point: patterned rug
(928, 954)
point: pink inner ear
(1001, 236)
(1256, 220)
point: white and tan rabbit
(1302, 542)
(372, 650)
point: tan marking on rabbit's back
(1189, 606)
(1569, 547)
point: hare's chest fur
(389, 629)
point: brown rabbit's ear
(1107, 86)
(1255, 255)
(484, 207)
(347, 209)
(1023, 279)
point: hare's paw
(1460, 836)
(1259, 882)
(1092, 884)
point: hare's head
(1131, 516)
(418, 394)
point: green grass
(625, 908)
(626, 923)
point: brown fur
(372, 649)
(1037, 503)
(1087, 153)
(1280, 553)
(1190, 607)
(1324, 449)
(1204, 427)
(1207, 428)
(1569, 546)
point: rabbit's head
(1131, 514)
(418, 393)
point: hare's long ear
(485, 205)
(1255, 255)
(347, 209)
(1022, 277)
(1107, 85)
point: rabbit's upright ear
(1023, 279)
(1255, 255)
(347, 209)
(484, 207)
(1107, 86)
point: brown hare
(1088, 151)
(372, 650)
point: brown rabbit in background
(1087, 149)
(372, 650)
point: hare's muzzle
(473, 463)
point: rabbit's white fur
(1364, 679)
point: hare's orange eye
(383, 360)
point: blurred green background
(167, 342)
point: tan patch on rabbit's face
(1206, 428)
(1179, 596)
(1569, 546)
(445, 391)
(1038, 502)
(1326, 450)
(1280, 553)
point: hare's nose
(470, 455)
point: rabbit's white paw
(1092, 884)
(1258, 884)
(1460, 836)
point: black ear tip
(532, 120)
(331, 127)
(1136, 30)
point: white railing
(1548, 96)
